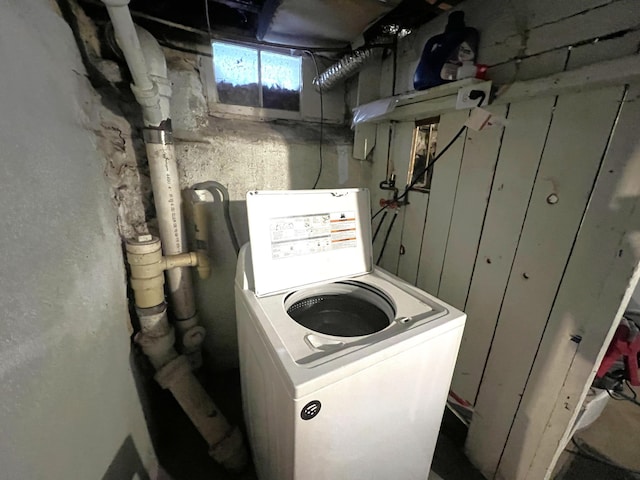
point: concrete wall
(245, 155)
(70, 409)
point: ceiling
(316, 24)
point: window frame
(261, 113)
(433, 123)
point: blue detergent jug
(445, 53)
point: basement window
(423, 152)
(253, 81)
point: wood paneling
(441, 202)
(474, 186)
(520, 154)
(599, 279)
(571, 158)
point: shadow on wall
(127, 464)
(255, 156)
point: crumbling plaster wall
(245, 155)
(70, 407)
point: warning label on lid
(309, 234)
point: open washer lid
(302, 237)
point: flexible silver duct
(343, 69)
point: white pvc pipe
(143, 87)
(157, 68)
(151, 87)
(174, 373)
(163, 171)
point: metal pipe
(343, 69)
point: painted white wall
(69, 402)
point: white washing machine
(345, 368)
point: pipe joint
(189, 259)
(147, 275)
(171, 373)
(159, 136)
(150, 101)
(230, 452)
(147, 97)
(154, 321)
(156, 336)
(159, 349)
(148, 266)
(191, 336)
(204, 266)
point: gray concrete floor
(614, 438)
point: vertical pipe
(144, 89)
(152, 91)
(163, 170)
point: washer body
(325, 406)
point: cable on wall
(321, 140)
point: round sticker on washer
(310, 410)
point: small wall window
(257, 79)
(423, 152)
(254, 82)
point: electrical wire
(582, 452)
(206, 11)
(315, 63)
(429, 165)
(417, 177)
(386, 237)
(621, 396)
(212, 186)
(474, 94)
(379, 225)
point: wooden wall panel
(577, 139)
(474, 186)
(399, 156)
(441, 201)
(520, 154)
(594, 292)
(412, 236)
(379, 169)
